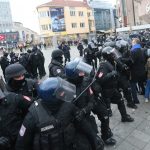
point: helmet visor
(84, 69)
(116, 53)
(65, 91)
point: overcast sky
(25, 11)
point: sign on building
(9, 36)
(58, 20)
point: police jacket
(48, 127)
(12, 111)
(4, 62)
(28, 88)
(105, 76)
(80, 47)
(56, 69)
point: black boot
(130, 105)
(110, 141)
(127, 118)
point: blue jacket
(135, 47)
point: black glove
(4, 143)
(125, 67)
(114, 74)
(80, 114)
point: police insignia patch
(58, 71)
(27, 98)
(22, 130)
(100, 75)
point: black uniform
(107, 78)
(66, 50)
(58, 126)
(56, 69)
(28, 87)
(91, 102)
(36, 60)
(12, 111)
(80, 48)
(4, 61)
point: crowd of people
(57, 113)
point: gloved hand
(4, 143)
(114, 74)
(80, 114)
(125, 67)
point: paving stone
(123, 130)
(126, 146)
(144, 127)
(147, 147)
(136, 141)
(141, 136)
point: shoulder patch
(100, 74)
(27, 98)
(22, 130)
(58, 70)
(91, 91)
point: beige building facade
(133, 12)
(66, 19)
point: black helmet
(110, 44)
(5, 54)
(56, 54)
(14, 70)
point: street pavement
(129, 136)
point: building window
(49, 26)
(44, 27)
(43, 14)
(80, 13)
(82, 25)
(48, 13)
(72, 13)
(74, 25)
(89, 14)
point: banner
(58, 20)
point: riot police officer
(13, 108)
(123, 69)
(80, 48)
(107, 77)
(4, 62)
(56, 67)
(52, 121)
(76, 73)
(17, 83)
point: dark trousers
(113, 96)
(102, 113)
(124, 84)
(134, 92)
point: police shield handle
(2, 84)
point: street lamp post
(133, 12)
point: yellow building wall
(44, 21)
(68, 21)
(76, 19)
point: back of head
(57, 53)
(5, 54)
